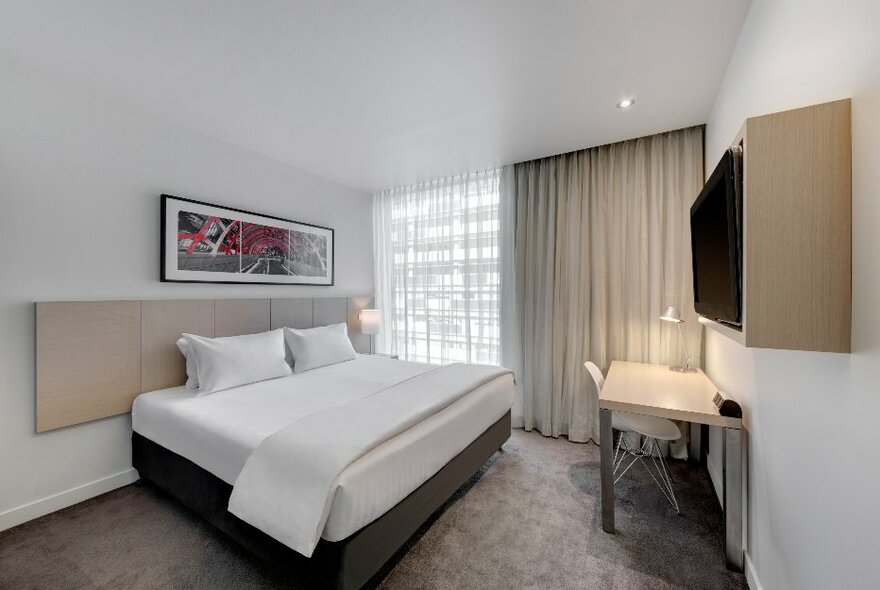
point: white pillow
(192, 374)
(317, 347)
(222, 363)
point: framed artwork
(205, 243)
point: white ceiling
(380, 93)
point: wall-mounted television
(716, 242)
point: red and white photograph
(209, 243)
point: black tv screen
(715, 243)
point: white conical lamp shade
(672, 314)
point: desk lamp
(672, 314)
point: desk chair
(653, 429)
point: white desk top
(654, 390)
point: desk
(654, 390)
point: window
(437, 259)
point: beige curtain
(594, 245)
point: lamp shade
(371, 321)
(672, 314)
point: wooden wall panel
(88, 360)
(95, 357)
(798, 237)
(330, 310)
(234, 317)
(361, 342)
(292, 313)
(163, 323)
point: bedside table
(390, 356)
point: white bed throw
(287, 485)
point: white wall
(814, 484)
(80, 179)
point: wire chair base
(656, 468)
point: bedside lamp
(672, 314)
(371, 324)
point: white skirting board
(752, 575)
(55, 502)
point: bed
(203, 451)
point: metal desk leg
(606, 450)
(733, 500)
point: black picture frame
(275, 265)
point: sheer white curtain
(596, 245)
(437, 277)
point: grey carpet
(529, 520)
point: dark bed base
(346, 564)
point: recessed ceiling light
(626, 103)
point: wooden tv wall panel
(797, 217)
(95, 357)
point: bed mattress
(218, 432)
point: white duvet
(287, 485)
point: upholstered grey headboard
(95, 357)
